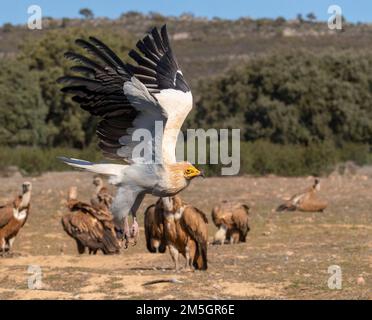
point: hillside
(292, 87)
(207, 47)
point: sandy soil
(286, 256)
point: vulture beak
(202, 174)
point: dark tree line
(293, 98)
(296, 98)
(33, 111)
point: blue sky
(15, 11)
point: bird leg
(174, 254)
(10, 243)
(126, 232)
(3, 247)
(134, 230)
(188, 266)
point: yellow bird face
(191, 172)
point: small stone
(361, 281)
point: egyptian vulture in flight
(129, 97)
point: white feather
(19, 215)
(109, 169)
(177, 105)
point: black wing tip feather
(97, 83)
(154, 52)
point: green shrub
(263, 157)
(34, 161)
(257, 158)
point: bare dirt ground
(286, 255)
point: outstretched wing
(131, 97)
(158, 69)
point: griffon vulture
(306, 201)
(91, 227)
(186, 232)
(13, 217)
(102, 198)
(232, 219)
(150, 99)
(154, 229)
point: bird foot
(130, 234)
(134, 229)
(126, 241)
(188, 269)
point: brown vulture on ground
(13, 217)
(91, 227)
(185, 231)
(307, 201)
(232, 220)
(102, 197)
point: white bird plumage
(128, 98)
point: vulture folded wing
(195, 222)
(154, 229)
(6, 213)
(240, 218)
(102, 215)
(89, 226)
(129, 97)
(300, 198)
(90, 232)
(216, 216)
(223, 216)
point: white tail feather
(108, 169)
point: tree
(22, 110)
(69, 125)
(280, 21)
(311, 16)
(300, 18)
(297, 98)
(8, 27)
(86, 13)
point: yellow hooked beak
(192, 172)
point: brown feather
(306, 201)
(154, 230)
(185, 230)
(90, 226)
(10, 223)
(235, 218)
